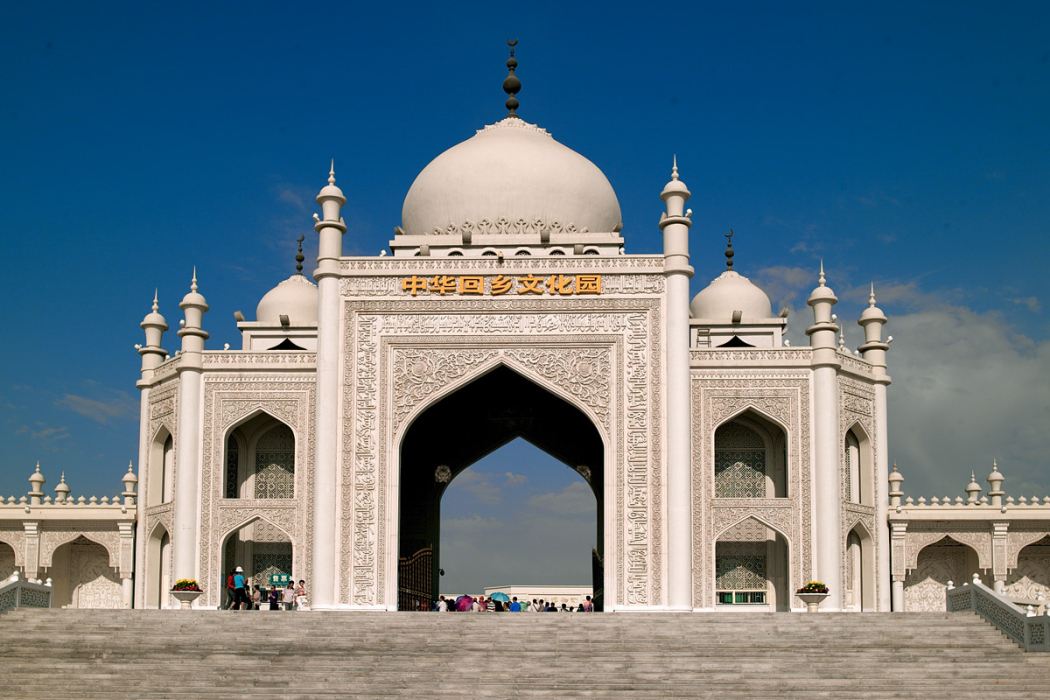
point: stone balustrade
(16, 592)
(1030, 631)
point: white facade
(729, 469)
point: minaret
(152, 353)
(186, 534)
(330, 229)
(675, 225)
(62, 490)
(827, 524)
(36, 480)
(152, 356)
(874, 352)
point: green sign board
(280, 579)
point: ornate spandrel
(575, 347)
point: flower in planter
(813, 587)
(186, 584)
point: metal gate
(598, 580)
(415, 580)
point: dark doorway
(469, 424)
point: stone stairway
(87, 654)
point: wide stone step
(202, 654)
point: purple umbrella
(464, 602)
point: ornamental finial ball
(511, 84)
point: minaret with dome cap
(827, 498)
(874, 349)
(330, 228)
(190, 369)
(675, 223)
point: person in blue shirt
(515, 606)
(239, 592)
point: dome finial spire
(674, 167)
(729, 250)
(299, 257)
(331, 173)
(822, 282)
(156, 306)
(511, 84)
(193, 283)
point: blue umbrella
(500, 596)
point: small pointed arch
(750, 456)
(17, 547)
(158, 567)
(859, 582)
(260, 547)
(1022, 540)
(752, 561)
(858, 472)
(252, 519)
(160, 469)
(936, 563)
(47, 554)
(757, 517)
(259, 456)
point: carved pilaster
(898, 559)
(32, 549)
(1000, 558)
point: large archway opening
(458, 431)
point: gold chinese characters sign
(563, 285)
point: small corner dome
(295, 298)
(514, 171)
(731, 292)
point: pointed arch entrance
(457, 431)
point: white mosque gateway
(728, 468)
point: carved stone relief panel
(1020, 535)
(16, 539)
(400, 356)
(54, 537)
(920, 535)
(228, 399)
(7, 561)
(925, 586)
(1030, 578)
(718, 395)
(92, 582)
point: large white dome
(295, 298)
(512, 171)
(731, 292)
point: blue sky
(902, 143)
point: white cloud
(515, 479)
(480, 485)
(1031, 302)
(112, 404)
(472, 525)
(48, 435)
(576, 499)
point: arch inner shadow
(465, 426)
